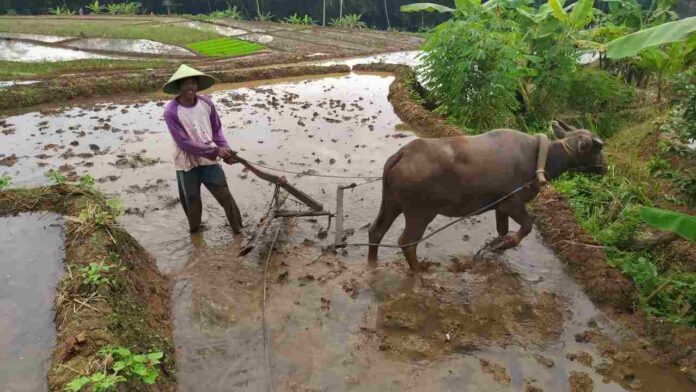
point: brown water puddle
(336, 324)
(30, 267)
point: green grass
(166, 33)
(16, 70)
(225, 47)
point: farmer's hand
(231, 160)
(225, 152)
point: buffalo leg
(502, 223)
(520, 215)
(526, 222)
(387, 214)
(415, 227)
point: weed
(61, 11)
(56, 177)
(5, 182)
(101, 216)
(95, 7)
(125, 367)
(93, 275)
(87, 182)
(657, 164)
(265, 17)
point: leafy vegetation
(229, 13)
(609, 209)
(56, 177)
(295, 19)
(130, 8)
(265, 17)
(5, 182)
(124, 366)
(351, 21)
(58, 10)
(95, 7)
(225, 47)
(94, 274)
(682, 224)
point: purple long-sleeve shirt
(196, 131)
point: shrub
(471, 68)
(351, 21)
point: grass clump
(225, 47)
(608, 209)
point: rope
(480, 210)
(310, 175)
(269, 376)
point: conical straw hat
(172, 86)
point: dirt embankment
(132, 310)
(83, 86)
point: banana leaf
(632, 44)
(558, 11)
(581, 14)
(426, 7)
(681, 224)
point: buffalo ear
(566, 126)
(558, 130)
(585, 144)
(597, 142)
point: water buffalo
(457, 176)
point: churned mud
(31, 266)
(515, 321)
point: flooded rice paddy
(30, 267)
(333, 322)
(142, 46)
(33, 53)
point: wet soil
(30, 269)
(334, 323)
(29, 52)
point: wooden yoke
(273, 179)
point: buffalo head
(584, 148)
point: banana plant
(633, 44)
(95, 7)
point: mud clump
(548, 362)
(580, 382)
(499, 372)
(135, 161)
(582, 357)
(8, 161)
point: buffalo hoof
(500, 244)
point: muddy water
(30, 267)
(335, 323)
(129, 46)
(23, 51)
(35, 37)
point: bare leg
(415, 227)
(387, 214)
(224, 197)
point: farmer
(197, 132)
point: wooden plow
(275, 210)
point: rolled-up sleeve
(182, 139)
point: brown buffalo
(457, 176)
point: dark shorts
(189, 182)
